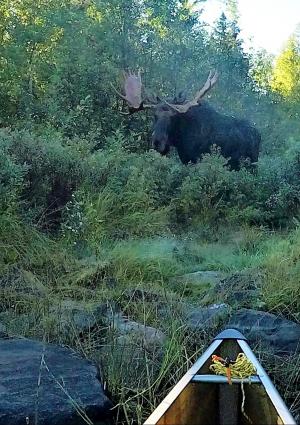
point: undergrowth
(113, 228)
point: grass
(38, 274)
(281, 264)
(285, 374)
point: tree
(262, 69)
(235, 85)
(29, 34)
(286, 73)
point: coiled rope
(241, 368)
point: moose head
(193, 127)
(164, 111)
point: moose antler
(210, 82)
(133, 92)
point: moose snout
(156, 144)
(161, 146)
(159, 142)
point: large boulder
(266, 329)
(129, 330)
(206, 318)
(77, 317)
(49, 385)
(241, 289)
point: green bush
(125, 193)
(203, 194)
(211, 193)
(11, 181)
(54, 168)
(123, 190)
(123, 213)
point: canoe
(201, 397)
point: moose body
(194, 127)
(195, 132)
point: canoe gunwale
(179, 387)
(273, 394)
(260, 378)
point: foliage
(52, 169)
(122, 190)
(262, 69)
(11, 181)
(286, 73)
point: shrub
(210, 193)
(123, 190)
(11, 181)
(53, 167)
(114, 214)
(204, 191)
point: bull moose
(193, 126)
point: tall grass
(136, 377)
(281, 264)
(128, 223)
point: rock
(242, 288)
(78, 317)
(147, 336)
(205, 318)
(49, 393)
(20, 282)
(281, 335)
